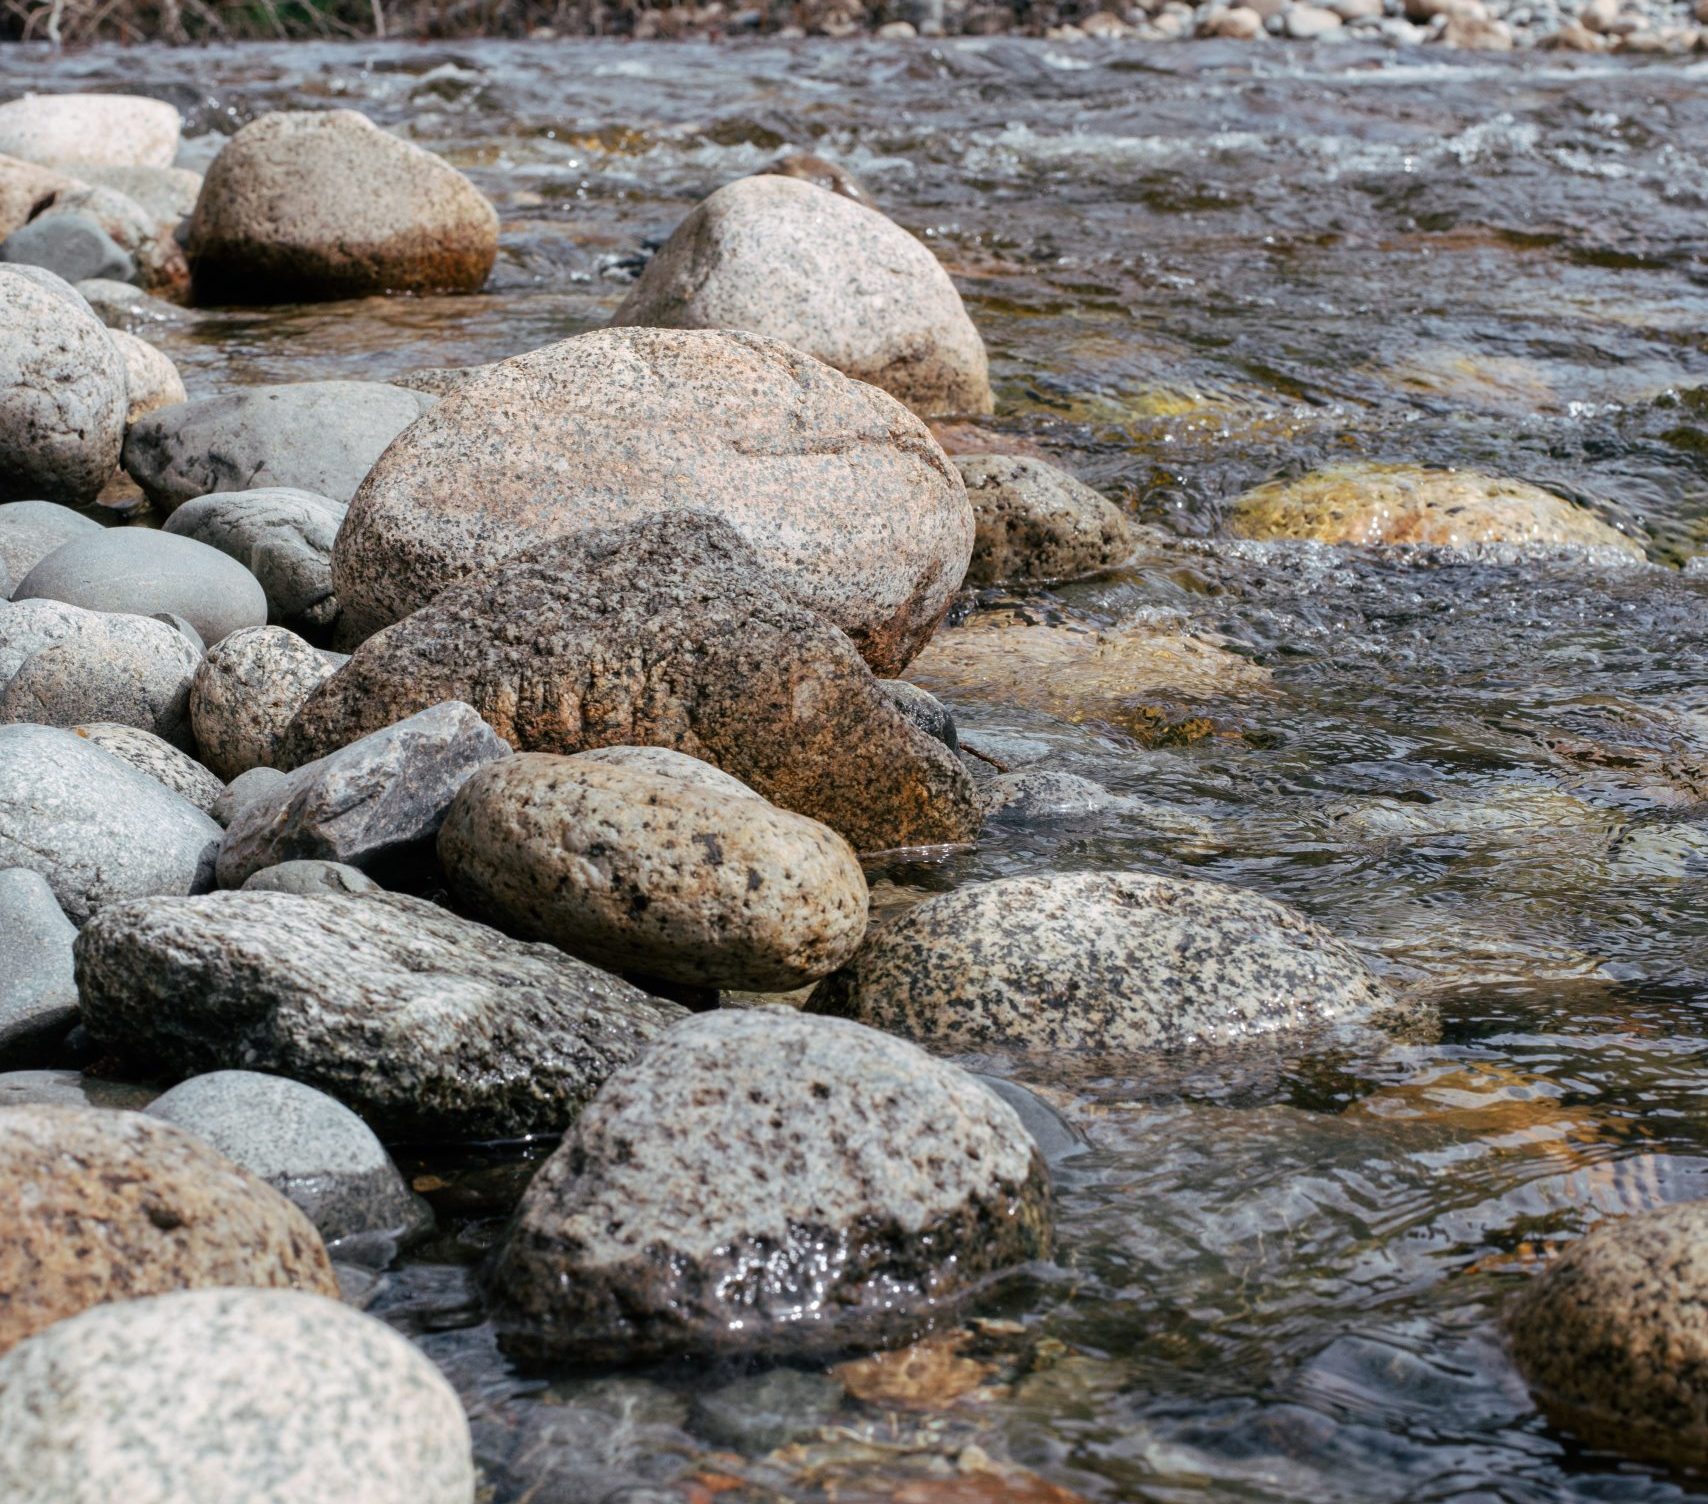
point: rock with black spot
(246, 693)
(156, 757)
(310, 877)
(281, 536)
(1037, 524)
(38, 995)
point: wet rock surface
(246, 693)
(156, 757)
(281, 536)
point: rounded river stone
(246, 693)
(156, 757)
(1037, 524)
(309, 877)
(31, 530)
(282, 537)
(151, 380)
(68, 130)
(38, 993)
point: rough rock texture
(1100, 961)
(922, 709)
(1036, 523)
(427, 1024)
(310, 878)
(141, 572)
(106, 1205)
(648, 872)
(1377, 504)
(246, 692)
(151, 380)
(667, 763)
(319, 436)
(26, 188)
(824, 274)
(263, 1396)
(156, 757)
(836, 486)
(95, 827)
(72, 246)
(31, 530)
(762, 1181)
(62, 391)
(668, 632)
(366, 801)
(70, 130)
(324, 204)
(282, 537)
(38, 996)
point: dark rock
(924, 710)
(1037, 524)
(72, 246)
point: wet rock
(1054, 1135)
(647, 872)
(96, 828)
(31, 530)
(70, 1089)
(26, 188)
(319, 436)
(382, 794)
(613, 1440)
(821, 174)
(1036, 523)
(71, 246)
(826, 275)
(281, 536)
(1110, 963)
(72, 130)
(763, 1411)
(922, 709)
(156, 757)
(108, 1205)
(324, 204)
(139, 571)
(259, 1395)
(309, 877)
(1401, 504)
(241, 790)
(428, 1025)
(246, 692)
(759, 1181)
(310, 1148)
(667, 632)
(38, 996)
(151, 380)
(836, 487)
(62, 391)
(1038, 795)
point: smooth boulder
(1036, 524)
(151, 380)
(70, 130)
(31, 530)
(157, 757)
(281, 536)
(38, 994)
(73, 246)
(26, 188)
(309, 878)
(246, 692)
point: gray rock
(156, 757)
(282, 537)
(151, 380)
(1037, 796)
(71, 130)
(70, 245)
(429, 1025)
(760, 1181)
(1054, 1135)
(924, 710)
(241, 790)
(366, 801)
(96, 828)
(653, 873)
(31, 530)
(1037, 524)
(269, 1396)
(307, 1146)
(319, 436)
(1106, 962)
(761, 1412)
(141, 572)
(309, 877)
(167, 193)
(38, 995)
(246, 693)
(160, 263)
(119, 305)
(71, 1089)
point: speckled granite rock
(156, 757)
(1103, 962)
(106, 1205)
(324, 204)
(1036, 523)
(282, 537)
(31, 530)
(264, 1396)
(646, 872)
(837, 487)
(310, 878)
(25, 189)
(668, 763)
(820, 272)
(760, 1181)
(246, 692)
(151, 380)
(668, 631)
(429, 1025)
(319, 436)
(922, 709)
(1613, 1336)
(67, 130)
(95, 827)
(38, 995)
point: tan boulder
(68, 130)
(26, 188)
(1036, 523)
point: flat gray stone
(282, 537)
(31, 530)
(70, 245)
(1039, 796)
(309, 877)
(38, 994)
(246, 693)
(241, 790)
(156, 757)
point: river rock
(72, 246)
(281, 536)
(31, 530)
(151, 380)
(835, 485)
(241, 790)
(646, 872)
(1106, 962)
(139, 571)
(759, 1181)
(246, 692)
(824, 274)
(62, 391)
(1039, 795)
(671, 632)
(1036, 523)
(26, 188)
(167, 193)
(106, 1205)
(38, 995)
(922, 709)
(71, 130)
(429, 1025)
(319, 436)
(309, 877)
(324, 204)
(1402, 504)
(209, 1396)
(156, 757)
(118, 305)
(380, 795)
(95, 827)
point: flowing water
(1197, 267)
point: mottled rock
(246, 692)
(647, 872)
(38, 995)
(31, 530)
(1106, 962)
(837, 487)
(1038, 795)
(26, 188)
(242, 789)
(379, 795)
(923, 709)
(827, 275)
(70, 245)
(265, 1396)
(119, 305)
(670, 764)
(1036, 523)
(96, 828)
(156, 757)
(309, 877)
(319, 436)
(72, 130)
(324, 204)
(668, 632)
(760, 1181)
(151, 380)
(428, 1025)
(281, 536)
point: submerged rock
(281, 536)
(72, 130)
(763, 1182)
(156, 757)
(38, 995)
(246, 692)
(1037, 524)
(309, 878)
